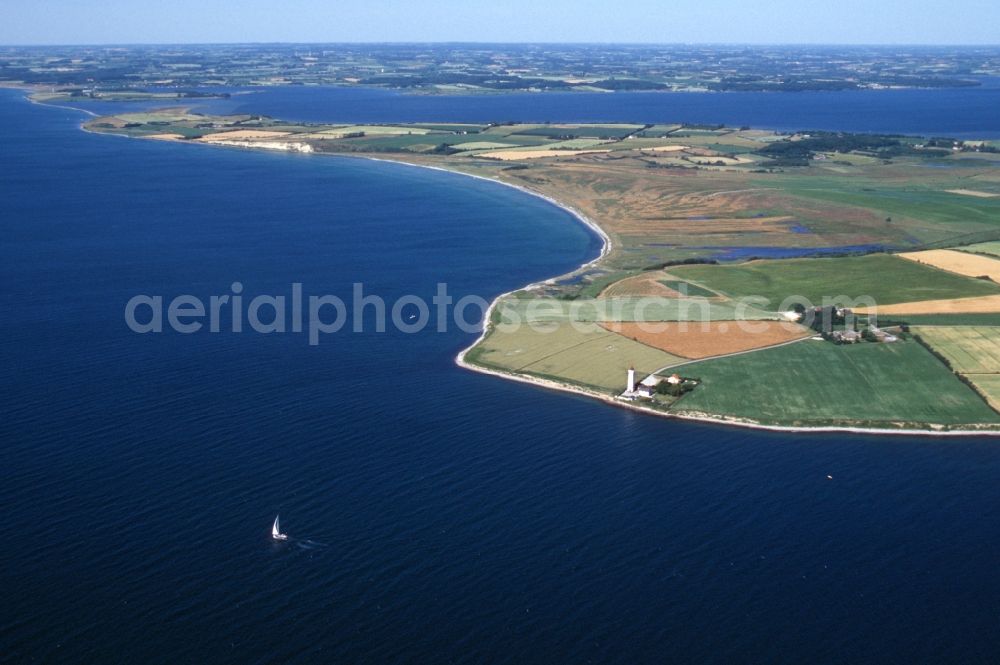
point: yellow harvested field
(667, 148)
(972, 192)
(243, 135)
(711, 338)
(514, 155)
(963, 263)
(972, 351)
(164, 137)
(989, 386)
(969, 349)
(978, 305)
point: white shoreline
(460, 358)
(606, 244)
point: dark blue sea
(435, 515)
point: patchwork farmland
(878, 385)
(962, 263)
(702, 219)
(597, 359)
(971, 351)
(712, 338)
(884, 278)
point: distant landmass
(472, 68)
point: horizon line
(500, 43)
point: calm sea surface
(435, 515)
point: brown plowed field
(703, 340)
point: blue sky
(648, 21)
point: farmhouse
(643, 390)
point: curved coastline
(462, 361)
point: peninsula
(806, 280)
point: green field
(990, 248)
(969, 349)
(650, 308)
(576, 144)
(984, 319)
(597, 359)
(687, 288)
(582, 131)
(659, 130)
(482, 145)
(973, 351)
(387, 129)
(989, 386)
(818, 383)
(888, 279)
(452, 127)
(923, 203)
(640, 143)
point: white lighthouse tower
(631, 380)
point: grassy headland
(685, 209)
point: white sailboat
(276, 530)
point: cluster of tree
(943, 145)
(800, 152)
(697, 127)
(925, 82)
(681, 262)
(444, 149)
(821, 319)
(751, 83)
(941, 142)
(627, 84)
(675, 389)
(907, 149)
(198, 94)
(805, 148)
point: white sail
(276, 530)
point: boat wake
(301, 543)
